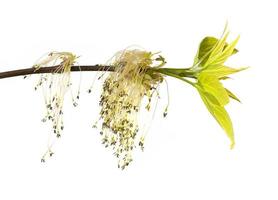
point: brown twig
(28, 71)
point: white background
(187, 155)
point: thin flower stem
(181, 72)
(178, 77)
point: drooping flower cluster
(54, 87)
(121, 99)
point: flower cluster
(121, 99)
(54, 87)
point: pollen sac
(122, 94)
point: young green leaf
(217, 50)
(205, 48)
(212, 85)
(208, 46)
(219, 113)
(232, 95)
(222, 71)
(220, 54)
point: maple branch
(32, 70)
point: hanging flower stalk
(135, 75)
(121, 99)
(54, 86)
